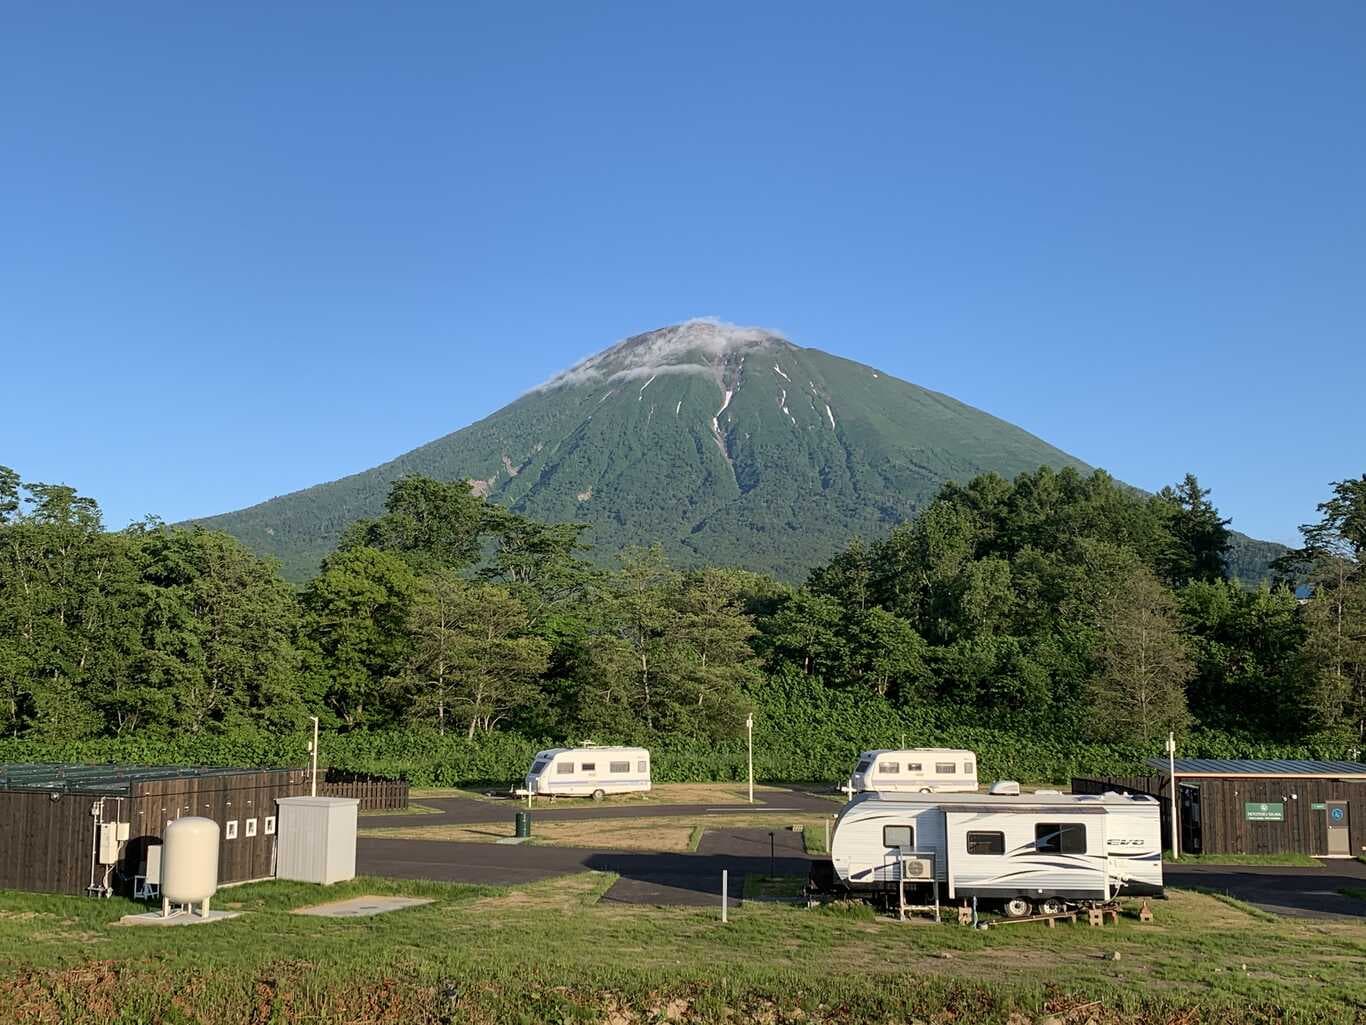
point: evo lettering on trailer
(1264, 811)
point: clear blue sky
(248, 249)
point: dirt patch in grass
(412, 809)
(575, 891)
(477, 832)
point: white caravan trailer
(1029, 852)
(921, 770)
(589, 771)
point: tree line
(1056, 605)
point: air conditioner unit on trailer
(918, 868)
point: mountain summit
(726, 444)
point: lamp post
(313, 756)
(749, 734)
(1171, 769)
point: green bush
(803, 733)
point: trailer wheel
(1017, 907)
(598, 795)
(1050, 906)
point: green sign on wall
(1255, 811)
(1317, 806)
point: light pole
(313, 754)
(1171, 768)
(749, 733)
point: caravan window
(898, 836)
(589, 767)
(945, 768)
(967, 768)
(891, 768)
(538, 766)
(620, 767)
(914, 767)
(863, 765)
(642, 766)
(986, 843)
(1060, 838)
(565, 768)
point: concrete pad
(360, 907)
(512, 839)
(179, 918)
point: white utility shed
(316, 839)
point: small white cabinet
(316, 839)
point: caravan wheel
(1050, 906)
(598, 795)
(1017, 907)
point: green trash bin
(523, 824)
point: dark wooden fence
(1154, 786)
(375, 793)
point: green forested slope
(809, 450)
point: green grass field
(550, 952)
(1298, 860)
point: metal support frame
(902, 906)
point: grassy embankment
(550, 953)
(1296, 860)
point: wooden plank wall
(46, 845)
(223, 798)
(1224, 828)
(373, 794)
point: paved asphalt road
(695, 878)
(646, 878)
(1284, 890)
(471, 809)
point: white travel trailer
(589, 771)
(922, 770)
(1030, 852)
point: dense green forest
(1056, 623)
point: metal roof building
(111, 780)
(1255, 767)
(1254, 806)
(86, 828)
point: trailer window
(642, 766)
(914, 767)
(620, 766)
(538, 767)
(945, 768)
(898, 836)
(589, 767)
(863, 765)
(890, 768)
(1060, 838)
(565, 768)
(986, 843)
(967, 768)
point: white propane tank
(189, 860)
